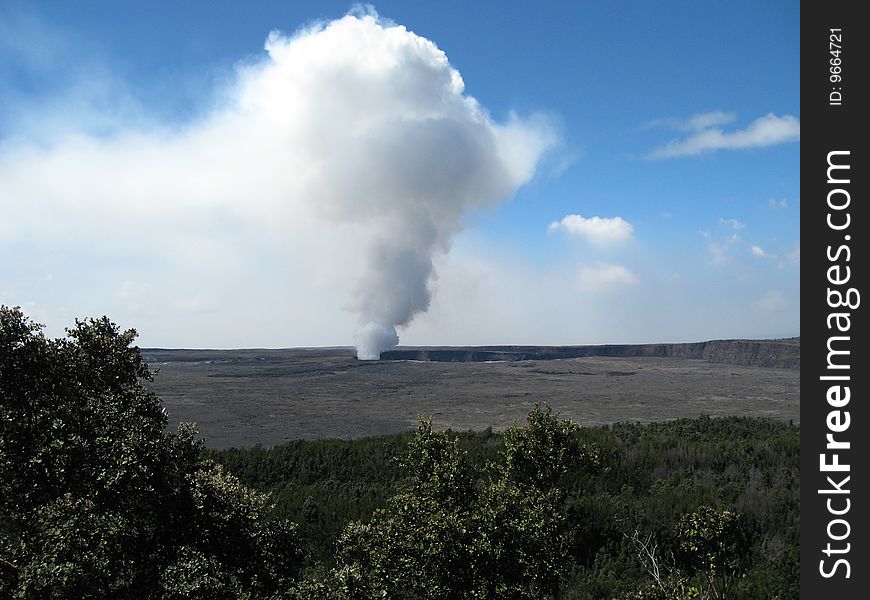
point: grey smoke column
(395, 149)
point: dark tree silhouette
(97, 500)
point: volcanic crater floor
(246, 397)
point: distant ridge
(780, 353)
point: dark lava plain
(247, 397)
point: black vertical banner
(835, 432)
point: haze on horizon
(286, 179)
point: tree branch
(8, 566)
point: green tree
(98, 501)
(713, 549)
(452, 534)
(715, 544)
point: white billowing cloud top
(352, 141)
(596, 230)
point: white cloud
(721, 248)
(764, 131)
(733, 223)
(777, 203)
(729, 247)
(332, 174)
(547, 305)
(719, 252)
(706, 120)
(219, 232)
(596, 230)
(696, 122)
(605, 277)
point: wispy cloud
(719, 250)
(729, 246)
(605, 277)
(732, 223)
(696, 122)
(776, 203)
(723, 246)
(602, 231)
(764, 131)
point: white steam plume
(352, 137)
(405, 151)
(371, 339)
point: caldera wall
(783, 354)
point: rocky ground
(246, 397)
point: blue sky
(668, 130)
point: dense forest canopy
(98, 500)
